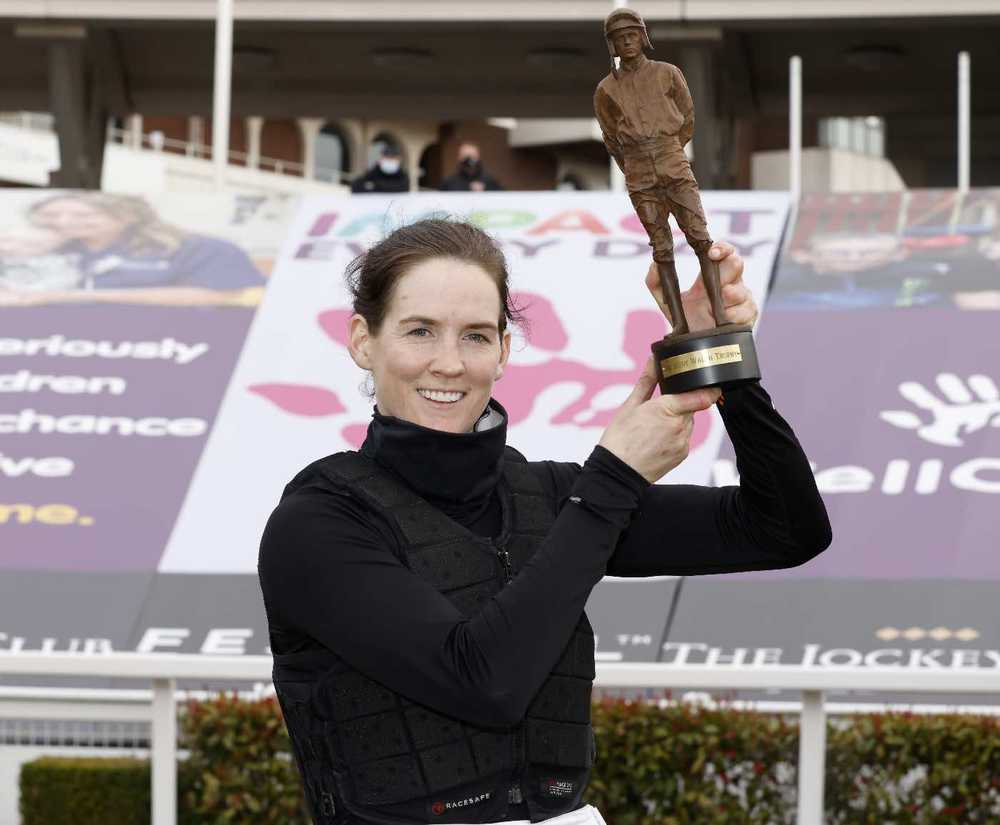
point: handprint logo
(962, 407)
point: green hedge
(692, 765)
(678, 765)
(96, 791)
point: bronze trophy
(647, 117)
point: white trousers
(587, 815)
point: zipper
(514, 796)
(504, 558)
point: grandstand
(314, 84)
(145, 434)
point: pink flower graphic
(300, 399)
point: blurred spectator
(470, 175)
(386, 175)
(570, 182)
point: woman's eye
(419, 332)
(478, 337)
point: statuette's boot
(713, 287)
(672, 296)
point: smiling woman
(440, 348)
(436, 337)
(425, 595)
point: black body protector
(367, 752)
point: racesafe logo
(962, 408)
(441, 807)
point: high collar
(635, 66)
(456, 472)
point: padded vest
(367, 753)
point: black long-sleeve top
(331, 578)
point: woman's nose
(448, 360)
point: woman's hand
(740, 305)
(652, 436)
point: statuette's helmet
(624, 19)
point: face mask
(389, 167)
(470, 166)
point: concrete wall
(827, 170)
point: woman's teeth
(438, 395)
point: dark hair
(372, 276)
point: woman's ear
(504, 354)
(359, 341)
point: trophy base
(721, 357)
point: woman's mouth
(441, 396)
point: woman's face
(73, 219)
(439, 349)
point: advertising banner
(578, 263)
(879, 348)
(120, 324)
(165, 369)
(918, 248)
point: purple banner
(900, 411)
(104, 412)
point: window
(863, 135)
(333, 158)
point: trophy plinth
(722, 357)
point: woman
(126, 253)
(425, 595)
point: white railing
(165, 669)
(158, 142)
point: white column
(195, 135)
(134, 139)
(413, 146)
(795, 128)
(163, 756)
(223, 88)
(309, 128)
(254, 127)
(964, 120)
(812, 758)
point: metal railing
(164, 670)
(158, 142)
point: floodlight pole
(795, 128)
(223, 87)
(964, 121)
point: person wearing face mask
(470, 175)
(386, 175)
(425, 594)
